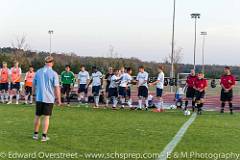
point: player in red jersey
(228, 81)
(200, 86)
(190, 89)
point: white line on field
(177, 138)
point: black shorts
(4, 86)
(199, 95)
(159, 92)
(15, 86)
(96, 90)
(123, 91)
(143, 91)
(44, 109)
(107, 88)
(66, 88)
(226, 96)
(190, 92)
(82, 88)
(113, 92)
(28, 90)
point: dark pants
(66, 88)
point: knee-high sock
(146, 103)
(130, 102)
(17, 97)
(11, 97)
(96, 99)
(107, 102)
(122, 100)
(231, 106)
(222, 106)
(140, 103)
(115, 101)
(6, 96)
(2, 97)
(26, 98)
(31, 99)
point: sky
(135, 28)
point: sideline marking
(177, 138)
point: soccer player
(159, 88)
(46, 87)
(142, 84)
(4, 77)
(200, 86)
(190, 89)
(125, 88)
(83, 81)
(28, 85)
(228, 81)
(15, 78)
(67, 81)
(113, 88)
(108, 81)
(96, 81)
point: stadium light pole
(195, 16)
(204, 34)
(173, 39)
(50, 32)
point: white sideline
(176, 139)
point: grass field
(85, 130)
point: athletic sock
(222, 107)
(11, 97)
(96, 100)
(130, 102)
(115, 101)
(2, 98)
(6, 96)
(231, 107)
(86, 99)
(193, 105)
(26, 99)
(31, 99)
(107, 102)
(17, 97)
(146, 103)
(140, 104)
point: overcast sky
(136, 28)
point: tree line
(36, 59)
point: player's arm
(57, 89)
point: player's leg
(122, 95)
(10, 94)
(145, 95)
(86, 94)
(129, 99)
(68, 90)
(37, 122)
(140, 97)
(17, 92)
(96, 92)
(160, 99)
(47, 112)
(26, 97)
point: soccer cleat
(9, 102)
(146, 108)
(45, 139)
(35, 137)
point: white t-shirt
(160, 78)
(141, 77)
(125, 80)
(96, 78)
(83, 77)
(114, 83)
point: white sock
(130, 102)
(86, 99)
(6, 96)
(115, 102)
(26, 98)
(140, 104)
(107, 102)
(2, 97)
(17, 97)
(31, 99)
(11, 97)
(146, 103)
(96, 98)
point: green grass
(212, 133)
(85, 130)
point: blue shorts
(15, 86)
(112, 92)
(4, 86)
(143, 91)
(96, 90)
(159, 92)
(82, 88)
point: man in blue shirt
(46, 87)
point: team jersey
(228, 81)
(108, 78)
(29, 78)
(201, 83)
(15, 74)
(125, 80)
(83, 77)
(96, 78)
(67, 77)
(142, 79)
(114, 81)
(191, 80)
(4, 75)
(160, 80)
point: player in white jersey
(159, 88)
(142, 84)
(125, 88)
(83, 81)
(96, 81)
(113, 88)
